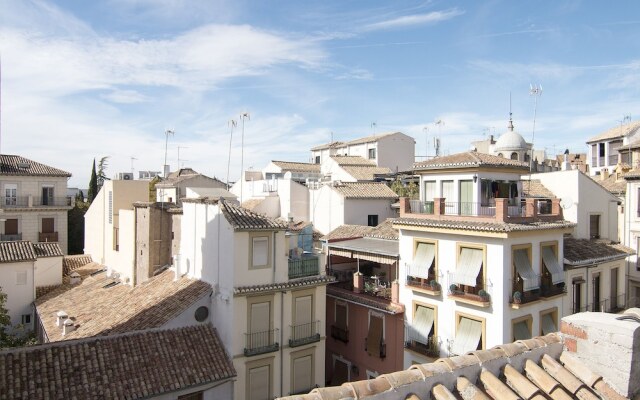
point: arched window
(514, 156)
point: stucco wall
(19, 297)
(356, 211)
(396, 152)
(48, 271)
(326, 209)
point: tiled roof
(534, 188)
(293, 283)
(331, 145)
(15, 251)
(182, 175)
(585, 251)
(470, 159)
(527, 369)
(20, 166)
(482, 226)
(71, 263)
(100, 310)
(384, 230)
(617, 132)
(366, 173)
(126, 366)
(370, 139)
(298, 226)
(365, 190)
(382, 304)
(633, 174)
(344, 232)
(47, 249)
(241, 218)
(251, 204)
(297, 166)
(611, 183)
(353, 161)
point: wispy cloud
(413, 20)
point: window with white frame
(260, 251)
(10, 194)
(374, 343)
(372, 154)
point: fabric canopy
(521, 331)
(425, 254)
(378, 258)
(551, 262)
(343, 253)
(548, 325)
(523, 267)
(468, 336)
(423, 323)
(469, 264)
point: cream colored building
(33, 201)
(268, 301)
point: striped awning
(340, 252)
(425, 254)
(523, 267)
(469, 264)
(552, 264)
(423, 323)
(521, 331)
(468, 336)
(548, 325)
(381, 251)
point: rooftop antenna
(0, 101)
(436, 141)
(373, 127)
(166, 142)
(181, 147)
(426, 142)
(232, 124)
(243, 116)
(625, 120)
(535, 91)
(132, 160)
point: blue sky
(89, 79)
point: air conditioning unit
(125, 176)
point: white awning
(548, 325)
(469, 264)
(521, 331)
(468, 336)
(422, 323)
(425, 254)
(523, 267)
(552, 264)
(343, 253)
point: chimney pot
(61, 316)
(67, 327)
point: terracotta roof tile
(17, 165)
(585, 251)
(365, 190)
(353, 161)
(293, 283)
(617, 132)
(611, 183)
(347, 232)
(47, 249)
(364, 299)
(98, 309)
(469, 159)
(366, 173)
(535, 189)
(331, 145)
(184, 174)
(482, 226)
(370, 139)
(71, 263)
(297, 166)
(241, 218)
(14, 251)
(384, 230)
(126, 366)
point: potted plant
(453, 288)
(484, 295)
(517, 297)
(434, 285)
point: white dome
(510, 140)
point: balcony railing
(11, 238)
(552, 290)
(341, 334)
(617, 303)
(304, 334)
(467, 208)
(380, 348)
(47, 237)
(261, 342)
(429, 346)
(51, 201)
(421, 207)
(15, 201)
(478, 294)
(305, 266)
(430, 284)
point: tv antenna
(232, 124)
(166, 142)
(373, 127)
(243, 116)
(536, 92)
(625, 120)
(426, 142)
(436, 140)
(132, 160)
(181, 147)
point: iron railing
(469, 209)
(305, 266)
(341, 334)
(430, 284)
(380, 349)
(479, 292)
(51, 201)
(11, 238)
(516, 211)
(47, 236)
(302, 334)
(552, 290)
(261, 342)
(15, 201)
(421, 207)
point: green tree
(102, 168)
(93, 184)
(75, 227)
(152, 188)
(399, 188)
(412, 191)
(80, 197)
(5, 319)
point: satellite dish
(567, 202)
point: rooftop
(366, 139)
(535, 189)
(291, 284)
(184, 174)
(71, 263)
(331, 145)
(380, 303)
(617, 132)
(366, 173)
(365, 190)
(297, 166)
(616, 186)
(47, 249)
(353, 161)
(482, 226)
(99, 306)
(578, 252)
(17, 251)
(20, 166)
(469, 159)
(125, 366)
(242, 219)
(384, 230)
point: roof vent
(24, 165)
(67, 327)
(61, 316)
(74, 278)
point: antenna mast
(243, 116)
(436, 141)
(132, 159)
(535, 91)
(232, 124)
(426, 142)
(166, 142)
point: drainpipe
(281, 340)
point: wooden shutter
(340, 373)
(303, 310)
(302, 377)
(259, 388)
(260, 316)
(341, 316)
(11, 226)
(47, 225)
(374, 337)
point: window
(339, 329)
(469, 271)
(521, 328)
(372, 154)
(374, 343)
(259, 383)
(191, 396)
(372, 220)
(260, 251)
(596, 292)
(11, 194)
(26, 319)
(302, 376)
(429, 190)
(341, 371)
(614, 289)
(423, 268)
(303, 326)
(601, 152)
(577, 294)
(11, 226)
(110, 207)
(524, 278)
(448, 191)
(549, 321)
(594, 226)
(47, 195)
(48, 225)
(422, 331)
(21, 278)
(514, 156)
(469, 334)
(317, 159)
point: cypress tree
(93, 184)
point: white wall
(48, 271)
(356, 211)
(294, 200)
(19, 297)
(396, 152)
(326, 209)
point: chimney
(358, 282)
(609, 344)
(166, 171)
(67, 327)
(61, 316)
(176, 263)
(74, 278)
(604, 173)
(566, 164)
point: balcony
(477, 295)
(307, 265)
(304, 334)
(14, 201)
(380, 349)
(52, 201)
(550, 290)
(11, 238)
(34, 201)
(341, 334)
(429, 286)
(48, 237)
(414, 341)
(613, 305)
(498, 210)
(261, 342)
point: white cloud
(125, 97)
(416, 19)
